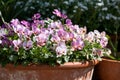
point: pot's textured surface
(68, 71)
(107, 70)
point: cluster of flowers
(61, 39)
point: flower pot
(67, 71)
(107, 70)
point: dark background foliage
(95, 14)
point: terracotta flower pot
(107, 70)
(68, 71)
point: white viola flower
(90, 37)
(97, 34)
(82, 30)
(0, 41)
(3, 32)
(27, 44)
(103, 42)
(103, 34)
(61, 49)
(98, 52)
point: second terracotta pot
(107, 69)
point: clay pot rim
(110, 60)
(68, 65)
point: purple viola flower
(17, 44)
(68, 22)
(27, 44)
(36, 16)
(63, 16)
(6, 41)
(42, 23)
(71, 36)
(27, 33)
(77, 44)
(25, 23)
(61, 49)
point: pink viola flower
(71, 36)
(77, 44)
(61, 49)
(41, 39)
(36, 30)
(59, 14)
(55, 25)
(55, 38)
(27, 33)
(63, 35)
(19, 29)
(27, 44)
(15, 22)
(17, 44)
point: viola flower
(3, 32)
(15, 22)
(17, 44)
(41, 39)
(55, 38)
(90, 37)
(25, 23)
(98, 52)
(59, 14)
(61, 49)
(36, 16)
(27, 44)
(77, 44)
(103, 42)
(63, 35)
(27, 33)
(68, 22)
(35, 30)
